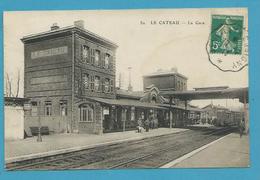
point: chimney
(54, 26)
(79, 24)
(174, 69)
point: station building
(69, 77)
(166, 80)
(70, 81)
(171, 80)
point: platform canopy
(209, 93)
(126, 103)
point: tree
(11, 89)
(18, 83)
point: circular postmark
(227, 46)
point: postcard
(126, 89)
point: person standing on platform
(147, 124)
(241, 127)
(140, 125)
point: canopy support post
(246, 114)
(170, 112)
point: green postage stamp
(227, 34)
(227, 45)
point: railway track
(148, 159)
(144, 153)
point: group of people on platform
(149, 123)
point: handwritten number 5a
(215, 45)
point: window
(85, 53)
(111, 85)
(92, 83)
(34, 111)
(107, 56)
(85, 79)
(132, 113)
(63, 107)
(142, 115)
(97, 57)
(167, 115)
(48, 108)
(97, 83)
(153, 100)
(86, 113)
(107, 83)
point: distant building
(211, 112)
(166, 80)
(221, 116)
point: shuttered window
(92, 56)
(107, 84)
(85, 79)
(97, 83)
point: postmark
(227, 46)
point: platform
(61, 143)
(228, 151)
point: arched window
(153, 100)
(86, 113)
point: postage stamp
(228, 42)
(227, 36)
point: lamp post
(39, 138)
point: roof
(182, 107)
(217, 107)
(228, 93)
(126, 102)
(15, 101)
(210, 88)
(165, 73)
(129, 94)
(66, 29)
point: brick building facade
(166, 80)
(62, 67)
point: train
(227, 118)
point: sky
(148, 40)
